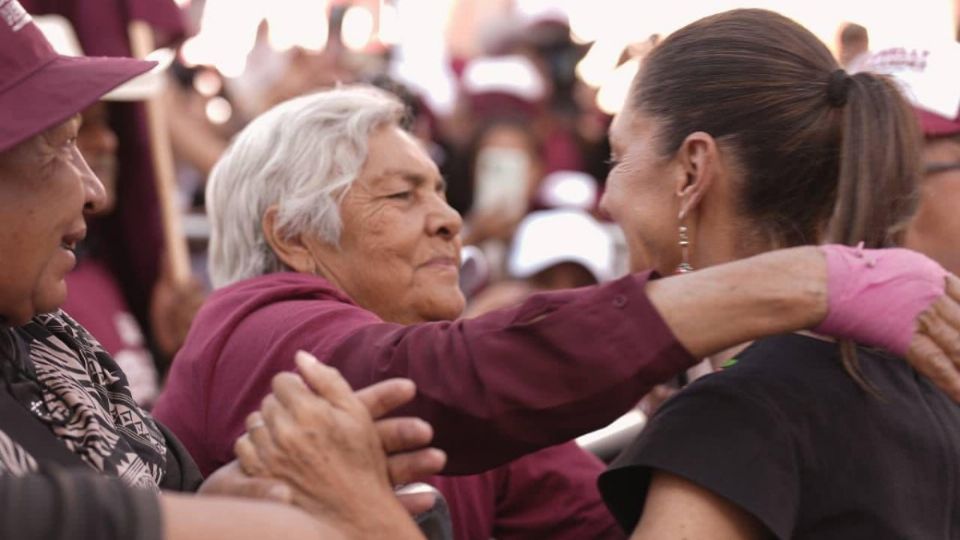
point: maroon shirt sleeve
(514, 381)
(494, 388)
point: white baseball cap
(512, 75)
(550, 237)
(568, 189)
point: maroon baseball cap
(40, 88)
(927, 74)
(935, 125)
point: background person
(928, 76)
(553, 249)
(934, 228)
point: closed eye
(401, 196)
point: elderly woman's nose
(444, 221)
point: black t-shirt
(788, 436)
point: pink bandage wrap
(874, 296)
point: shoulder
(286, 299)
(766, 390)
(281, 286)
(778, 372)
(279, 312)
(731, 432)
(57, 339)
(58, 326)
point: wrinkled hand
(935, 346)
(230, 480)
(316, 434)
(899, 300)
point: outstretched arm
(893, 298)
(190, 517)
(721, 306)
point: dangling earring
(684, 266)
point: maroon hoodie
(494, 388)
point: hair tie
(838, 87)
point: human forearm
(62, 503)
(714, 308)
(895, 299)
(517, 380)
(187, 517)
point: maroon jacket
(494, 388)
(550, 494)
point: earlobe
(689, 199)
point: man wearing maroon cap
(928, 76)
(936, 226)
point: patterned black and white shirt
(62, 375)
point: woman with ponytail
(742, 135)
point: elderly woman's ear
(292, 250)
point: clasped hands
(318, 444)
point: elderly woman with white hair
(332, 234)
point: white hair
(302, 155)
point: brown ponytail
(879, 170)
(879, 164)
(825, 156)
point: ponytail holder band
(838, 87)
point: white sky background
(889, 22)
(421, 28)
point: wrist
(372, 513)
(809, 297)
(381, 517)
(876, 296)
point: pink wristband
(874, 296)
